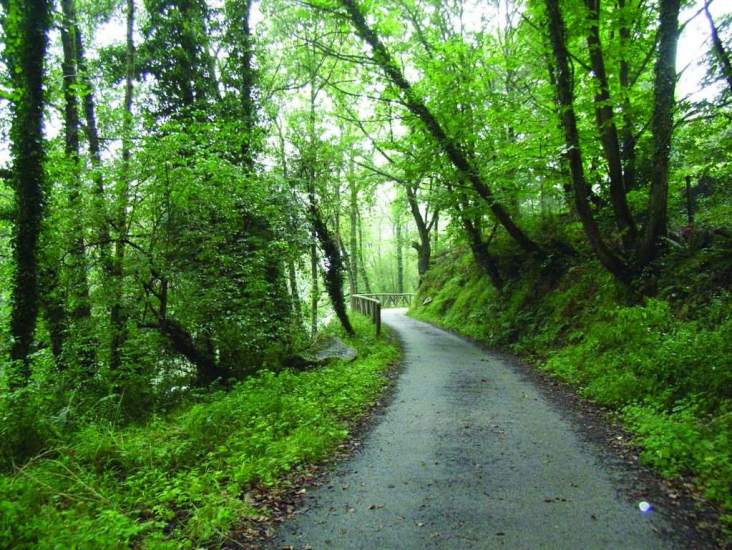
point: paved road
(470, 455)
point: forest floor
(476, 452)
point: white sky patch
(694, 43)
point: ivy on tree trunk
(26, 25)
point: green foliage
(188, 242)
(685, 440)
(179, 480)
(641, 351)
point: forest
(192, 190)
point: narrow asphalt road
(470, 455)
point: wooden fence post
(371, 305)
(377, 320)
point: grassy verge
(179, 481)
(664, 365)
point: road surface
(469, 454)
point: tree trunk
(416, 106)
(399, 254)
(314, 290)
(291, 268)
(294, 292)
(26, 24)
(52, 305)
(79, 285)
(334, 267)
(353, 244)
(662, 123)
(423, 247)
(92, 137)
(581, 190)
(435, 232)
(627, 131)
(181, 341)
(485, 260)
(239, 15)
(361, 261)
(118, 318)
(349, 268)
(247, 88)
(605, 120)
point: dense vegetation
(183, 478)
(190, 189)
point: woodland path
(470, 454)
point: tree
(80, 306)
(465, 169)
(565, 97)
(26, 26)
(117, 315)
(662, 123)
(664, 81)
(240, 38)
(176, 53)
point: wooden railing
(370, 307)
(370, 304)
(392, 299)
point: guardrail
(370, 305)
(392, 299)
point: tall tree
(353, 228)
(117, 314)
(26, 28)
(627, 131)
(242, 49)
(176, 53)
(334, 266)
(92, 137)
(361, 260)
(581, 190)
(606, 126)
(80, 306)
(425, 226)
(419, 109)
(399, 244)
(662, 123)
(720, 52)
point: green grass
(664, 365)
(179, 481)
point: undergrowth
(665, 365)
(179, 480)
